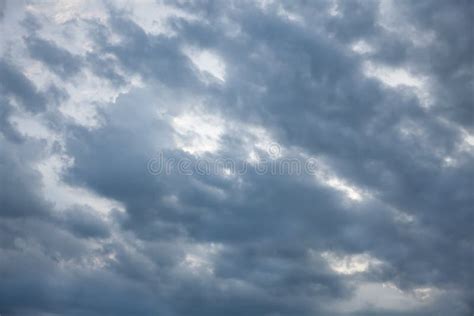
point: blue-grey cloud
(87, 229)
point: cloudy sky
(345, 127)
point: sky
(267, 158)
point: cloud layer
(378, 95)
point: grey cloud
(21, 185)
(83, 222)
(7, 128)
(104, 67)
(57, 59)
(15, 84)
(156, 57)
(302, 84)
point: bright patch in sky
(207, 62)
(198, 133)
(350, 264)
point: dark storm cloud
(356, 122)
(248, 227)
(303, 85)
(46, 257)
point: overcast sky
(347, 132)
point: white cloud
(198, 132)
(207, 62)
(349, 264)
(385, 296)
